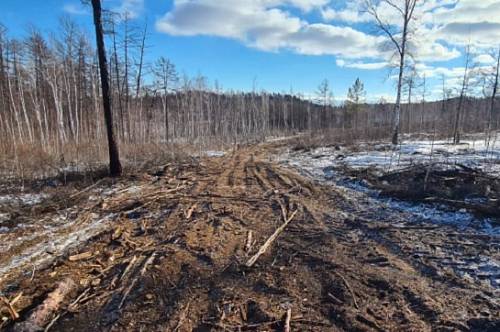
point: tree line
(52, 97)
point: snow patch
(322, 164)
(54, 245)
(24, 199)
(214, 153)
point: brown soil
(174, 259)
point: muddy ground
(170, 250)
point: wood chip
(79, 257)
(190, 211)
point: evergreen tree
(356, 96)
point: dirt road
(174, 251)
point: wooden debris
(82, 256)
(249, 243)
(43, 313)
(117, 233)
(349, 289)
(86, 189)
(182, 317)
(129, 267)
(287, 320)
(270, 240)
(190, 211)
(72, 306)
(148, 262)
(335, 299)
(52, 322)
(10, 307)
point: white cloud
(352, 13)
(484, 59)
(482, 35)
(131, 8)
(262, 25)
(467, 21)
(75, 9)
(305, 5)
(271, 25)
(361, 65)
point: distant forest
(50, 99)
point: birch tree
(463, 94)
(494, 91)
(398, 35)
(166, 75)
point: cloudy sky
(283, 45)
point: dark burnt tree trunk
(115, 168)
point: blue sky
(284, 45)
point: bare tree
(141, 61)
(409, 84)
(324, 94)
(115, 168)
(422, 102)
(463, 93)
(166, 76)
(399, 38)
(496, 71)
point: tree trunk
(492, 101)
(115, 168)
(397, 106)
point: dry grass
(30, 162)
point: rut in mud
(173, 257)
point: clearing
(172, 249)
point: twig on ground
(248, 245)
(270, 240)
(52, 322)
(33, 273)
(335, 299)
(86, 189)
(182, 317)
(148, 262)
(129, 267)
(287, 320)
(82, 256)
(13, 313)
(349, 289)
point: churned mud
(237, 242)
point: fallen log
(42, 315)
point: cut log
(43, 314)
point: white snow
(55, 242)
(471, 153)
(214, 153)
(4, 217)
(25, 199)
